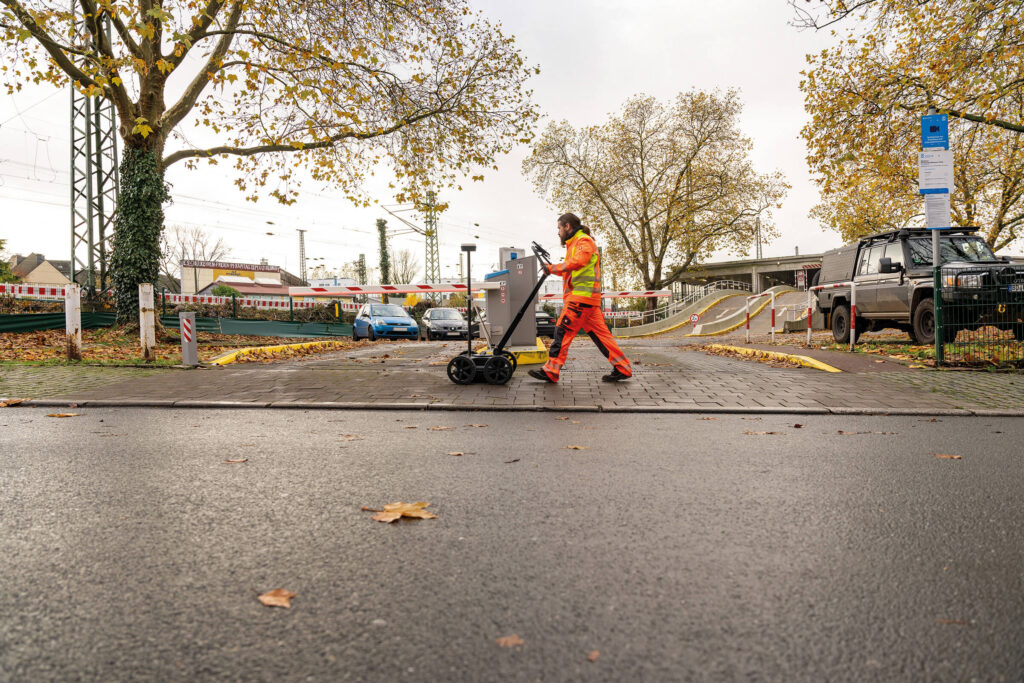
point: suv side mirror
(885, 265)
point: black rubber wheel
(924, 322)
(371, 335)
(498, 369)
(462, 369)
(355, 337)
(841, 323)
(512, 359)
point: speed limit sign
(694, 318)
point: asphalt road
(676, 547)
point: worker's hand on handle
(546, 267)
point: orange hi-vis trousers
(578, 316)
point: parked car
(895, 284)
(384, 321)
(444, 323)
(545, 323)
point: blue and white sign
(935, 131)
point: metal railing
(637, 318)
(979, 316)
(747, 304)
(853, 308)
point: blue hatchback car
(384, 321)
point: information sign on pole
(935, 171)
(937, 214)
(935, 131)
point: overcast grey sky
(593, 54)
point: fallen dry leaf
(917, 366)
(411, 426)
(279, 597)
(594, 654)
(236, 460)
(352, 437)
(509, 641)
(759, 433)
(798, 426)
(440, 428)
(509, 462)
(709, 418)
(10, 402)
(561, 418)
(949, 457)
(476, 425)
(577, 448)
(63, 414)
(392, 512)
(879, 361)
(932, 419)
(752, 418)
(455, 453)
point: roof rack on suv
(906, 232)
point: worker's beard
(561, 236)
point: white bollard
(189, 350)
(147, 322)
(73, 321)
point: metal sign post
(189, 352)
(936, 184)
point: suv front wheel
(841, 324)
(923, 330)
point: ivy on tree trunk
(140, 219)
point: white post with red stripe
(758, 296)
(147, 322)
(73, 321)
(853, 308)
(187, 327)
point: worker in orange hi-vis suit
(581, 271)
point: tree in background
(329, 86)
(5, 268)
(179, 244)
(385, 254)
(405, 267)
(892, 60)
(224, 290)
(664, 185)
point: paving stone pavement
(669, 373)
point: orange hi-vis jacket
(581, 270)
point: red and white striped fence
(29, 291)
(853, 308)
(358, 290)
(758, 296)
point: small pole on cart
(469, 248)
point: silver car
(444, 323)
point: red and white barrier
(358, 290)
(853, 308)
(758, 296)
(29, 291)
(278, 304)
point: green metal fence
(979, 315)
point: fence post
(234, 306)
(940, 346)
(291, 309)
(748, 320)
(853, 313)
(187, 327)
(810, 309)
(73, 321)
(163, 301)
(147, 323)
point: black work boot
(541, 375)
(614, 376)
